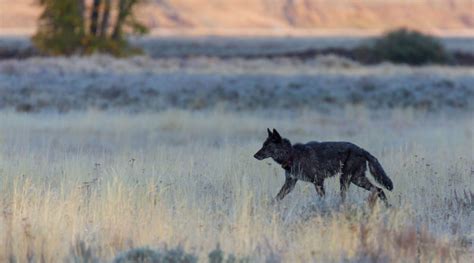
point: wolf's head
(276, 147)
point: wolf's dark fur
(315, 161)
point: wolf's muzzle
(258, 156)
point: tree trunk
(95, 17)
(125, 9)
(117, 34)
(81, 6)
(104, 26)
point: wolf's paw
(273, 202)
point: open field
(99, 155)
(116, 181)
(142, 84)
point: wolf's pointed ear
(276, 135)
(269, 132)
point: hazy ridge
(273, 16)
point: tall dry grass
(110, 182)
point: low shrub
(407, 46)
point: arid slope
(277, 16)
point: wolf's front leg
(319, 186)
(286, 188)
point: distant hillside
(247, 16)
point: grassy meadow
(85, 186)
(150, 158)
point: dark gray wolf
(315, 161)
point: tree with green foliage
(68, 27)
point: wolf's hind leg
(286, 188)
(344, 181)
(351, 169)
(363, 182)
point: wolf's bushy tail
(377, 172)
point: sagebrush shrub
(410, 47)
